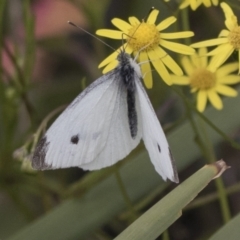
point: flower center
(143, 36)
(202, 79)
(234, 37)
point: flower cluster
(228, 40)
(206, 77)
(206, 82)
(148, 40)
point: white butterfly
(104, 124)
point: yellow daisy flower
(194, 4)
(207, 82)
(145, 40)
(228, 40)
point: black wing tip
(175, 173)
(38, 159)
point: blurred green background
(46, 63)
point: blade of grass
(159, 217)
(230, 231)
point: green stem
(222, 194)
(201, 201)
(20, 85)
(2, 8)
(165, 235)
(207, 149)
(125, 194)
(185, 24)
(218, 182)
(192, 107)
(29, 24)
(198, 138)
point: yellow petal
(224, 33)
(195, 59)
(177, 47)
(166, 23)
(160, 68)
(220, 58)
(172, 65)
(207, 3)
(114, 34)
(203, 60)
(160, 53)
(127, 48)
(113, 56)
(187, 65)
(215, 99)
(152, 16)
(209, 43)
(227, 69)
(231, 20)
(146, 69)
(133, 21)
(180, 80)
(219, 49)
(226, 91)
(231, 23)
(177, 35)
(110, 58)
(195, 4)
(168, 61)
(193, 90)
(226, 9)
(215, 2)
(147, 77)
(110, 66)
(201, 100)
(184, 4)
(230, 79)
(122, 25)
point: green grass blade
(158, 218)
(230, 231)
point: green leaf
(159, 217)
(230, 231)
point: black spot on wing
(159, 149)
(38, 160)
(75, 139)
(175, 176)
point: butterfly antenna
(74, 25)
(152, 8)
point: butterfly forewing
(92, 133)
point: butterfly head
(126, 62)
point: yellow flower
(228, 40)
(194, 4)
(207, 82)
(145, 40)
